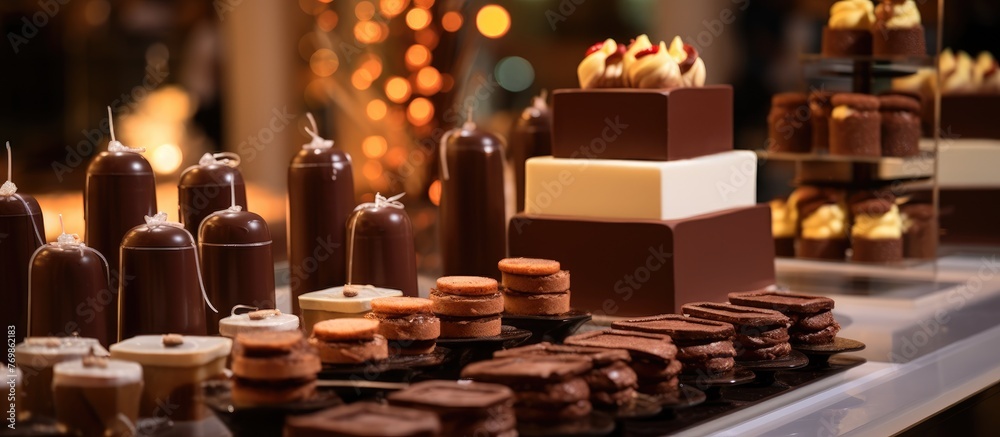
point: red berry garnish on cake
(646, 52)
(618, 55)
(594, 48)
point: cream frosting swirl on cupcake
(827, 222)
(640, 43)
(654, 68)
(878, 226)
(782, 219)
(898, 15)
(691, 65)
(602, 67)
(852, 14)
(956, 72)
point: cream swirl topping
(641, 43)
(895, 15)
(694, 76)
(852, 14)
(593, 71)
(827, 222)
(782, 219)
(879, 227)
(654, 68)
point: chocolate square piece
(736, 314)
(521, 369)
(364, 419)
(679, 328)
(642, 343)
(599, 356)
(637, 267)
(783, 302)
(643, 124)
(452, 395)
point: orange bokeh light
(428, 80)
(327, 21)
(434, 192)
(426, 4)
(452, 21)
(373, 66)
(324, 62)
(361, 79)
(418, 18)
(493, 21)
(367, 32)
(427, 37)
(374, 146)
(420, 111)
(392, 8)
(364, 10)
(417, 56)
(376, 109)
(397, 89)
(372, 169)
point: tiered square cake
(645, 199)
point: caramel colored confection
(855, 125)
(365, 419)
(703, 346)
(547, 387)
(466, 408)
(761, 334)
(408, 323)
(534, 287)
(273, 368)
(653, 356)
(349, 341)
(811, 316)
(468, 306)
(789, 128)
(612, 382)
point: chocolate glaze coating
(237, 264)
(530, 137)
(204, 189)
(159, 291)
(19, 242)
(382, 241)
(120, 192)
(320, 199)
(473, 216)
(70, 293)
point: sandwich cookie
(534, 287)
(408, 323)
(468, 306)
(761, 334)
(273, 368)
(466, 408)
(811, 316)
(653, 356)
(546, 387)
(703, 346)
(349, 341)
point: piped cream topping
(592, 70)
(827, 222)
(903, 15)
(879, 227)
(641, 43)
(842, 112)
(782, 219)
(695, 75)
(655, 70)
(852, 14)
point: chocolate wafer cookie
(653, 355)
(466, 408)
(760, 333)
(812, 320)
(365, 419)
(546, 386)
(702, 345)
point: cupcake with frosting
(877, 231)
(823, 223)
(848, 33)
(898, 30)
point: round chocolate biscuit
(709, 367)
(412, 327)
(812, 322)
(467, 285)
(266, 342)
(767, 353)
(300, 362)
(466, 306)
(401, 305)
(718, 349)
(752, 338)
(529, 266)
(823, 336)
(521, 304)
(470, 327)
(352, 352)
(345, 329)
(615, 377)
(554, 283)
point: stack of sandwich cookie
(465, 408)
(468, 306)
(273, 368)
(704, 347)
(812, 318)
(534, 287)
(761, 334)
(612, 382)
(653, 356)
(365, 419)
(408, 323)
(548, 388)
(349, 341)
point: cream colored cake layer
(626, 189)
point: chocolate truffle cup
(900, 125)
(789, 128)
(820, 106)
(846, 42)
(898, 42)
(882, 250)
(860, 132)
(822, 248)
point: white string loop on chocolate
(382, 201)
(318, 142)
(160, 219)
(116, 146)
(8, 188)
(232, 313)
